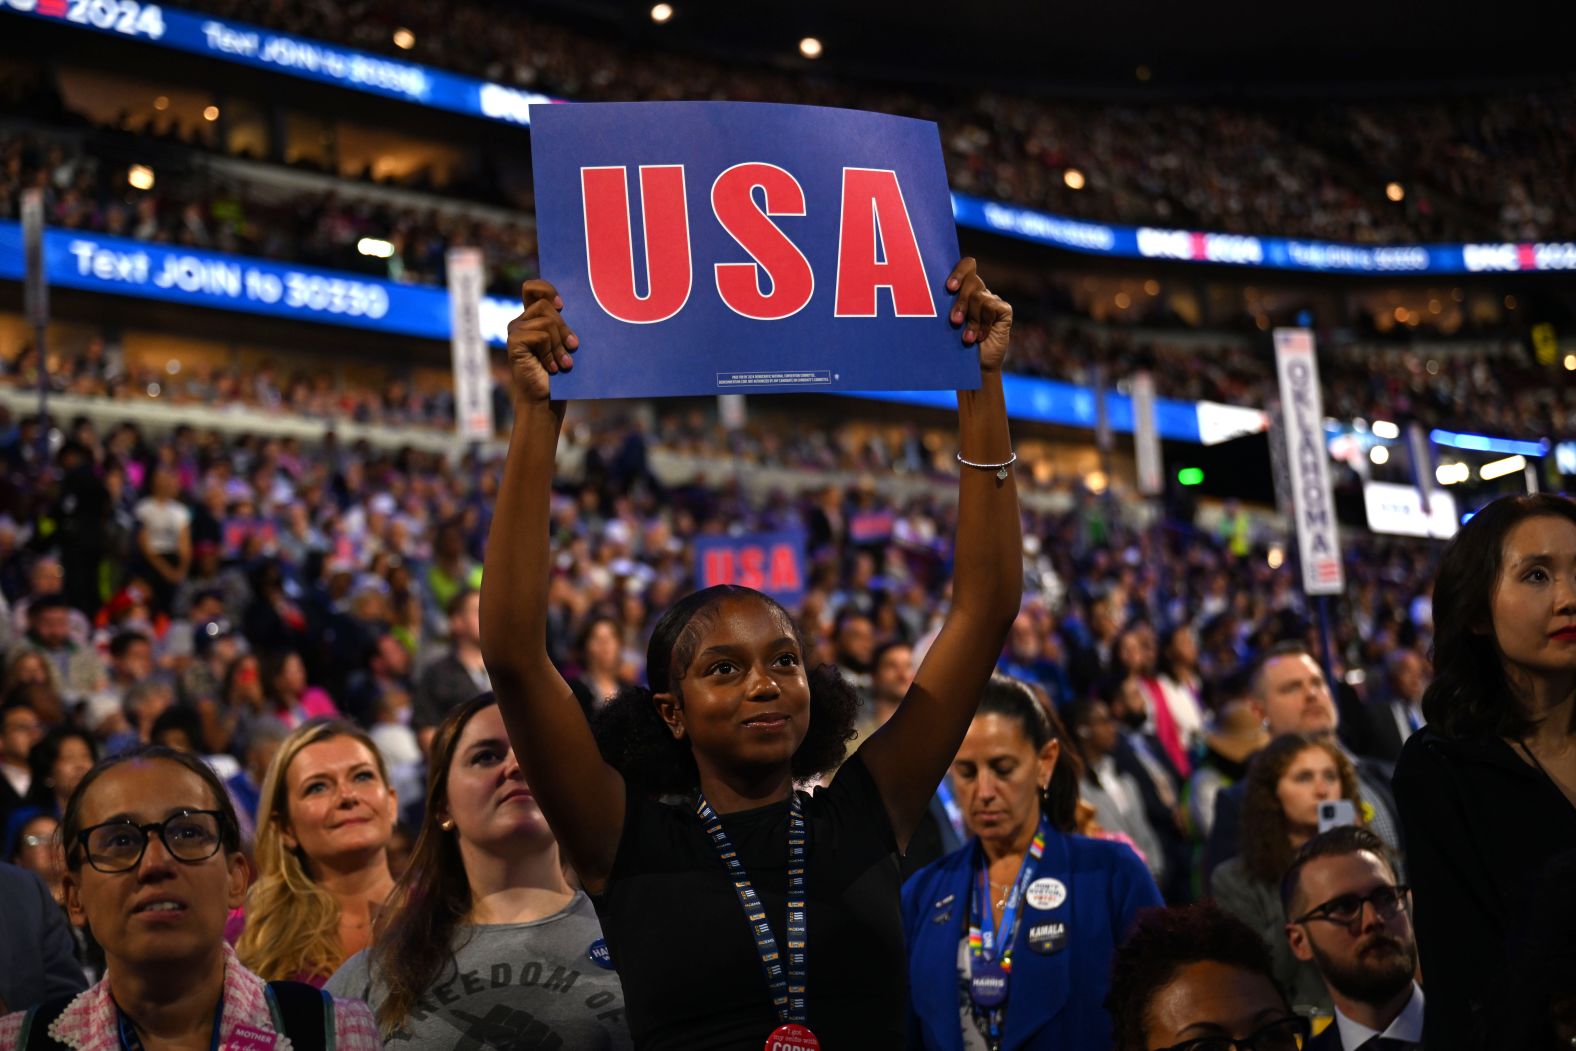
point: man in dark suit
(1346, 914)
(37, 954)
(1397, 713)
(1287, 688)
(20, 730)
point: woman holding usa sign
(754, 916)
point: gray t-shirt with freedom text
(511, 987)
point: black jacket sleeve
(1456, 910)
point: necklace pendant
(1002, 474)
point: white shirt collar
(1408, 1025)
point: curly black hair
(638, 744)
(1162, 942)
(1470, 697)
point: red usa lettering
(876, 245)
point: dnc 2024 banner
(738, 248)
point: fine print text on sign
(715, 247)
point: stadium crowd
(1475, 168)
(204, 209)
(1489, 385)
(223, 598)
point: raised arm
(908, 756)
(582, 797)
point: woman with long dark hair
(58, 763)
(1280, 812)
(778, 920)
(483, 923)
(1011, 937)
(1487, 792)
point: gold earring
(447, 826)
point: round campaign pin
(599, 955)
(1046, 893)
(792, 1038)
(987, 984)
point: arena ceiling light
(1379, 455)
(1452, 473)
(1073, 178)
(404, 39)
(1395, 192)
(1500, 468)
(1570, 363)
(660, 13)
(210, 113)
(810, 47)
(375, 247)
(1386, 429)
(140, 176)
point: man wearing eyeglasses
(1348, 915)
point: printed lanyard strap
(787, 988)
(982, 932)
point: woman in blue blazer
(1010, 939)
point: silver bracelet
(999, 468)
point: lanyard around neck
(983, 941)
(787, 987)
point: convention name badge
(744, 248)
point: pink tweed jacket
(89, 1024)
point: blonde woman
(324, 822)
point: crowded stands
(321, 726)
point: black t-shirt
(692, 976)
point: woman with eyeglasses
(153, 862)
(1487, 790)
(1197, 979)
(484, 924)
(1280, 812)
(324, 821)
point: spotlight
(140, 176)
(660, 13)
(1073, 178)
(404, 39)
(810, 47)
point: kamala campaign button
(1046, 893)
(1046, 938)
(599, 955)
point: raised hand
(986, 318)
(540, 342)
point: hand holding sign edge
(540, 342)
(986, 318)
